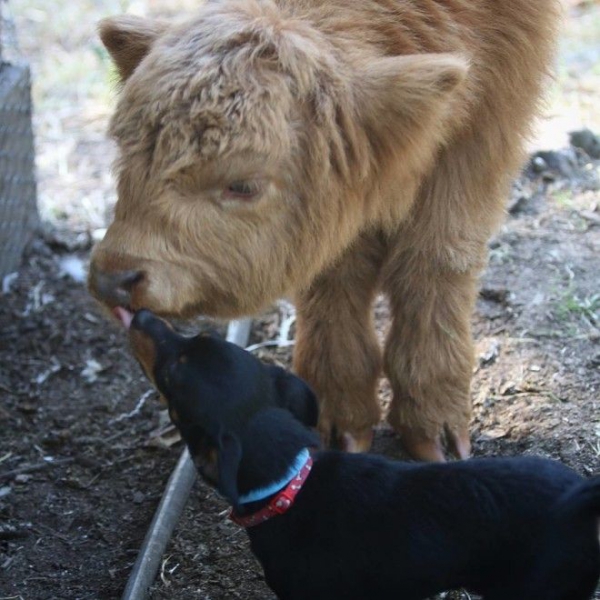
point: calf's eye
(242, 190)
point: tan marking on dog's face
(207, 463)
(144, 350)
(174, 416)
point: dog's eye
(243, 190)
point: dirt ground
(86, 450)
(83, 462)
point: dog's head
(213, 389)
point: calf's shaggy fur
(327, 150)
(363, 526)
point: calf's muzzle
(114, 288)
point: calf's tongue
(123, 315)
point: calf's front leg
(337, 350)
(429, 355)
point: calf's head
(253, 148)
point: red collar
(279, 504)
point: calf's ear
(128, 39)
(402, 100)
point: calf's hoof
(357, 441)
(432, 449)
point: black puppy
(212, 388)
(336, 526)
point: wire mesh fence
(18, 209)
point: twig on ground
(269, 343)
(135, 411)
(163, 569)
(36, 467)
(7, 282)
(288, 318)
(53, 533)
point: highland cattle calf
(328, 151)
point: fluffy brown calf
(327, 150)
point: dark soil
(81, 471)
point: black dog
(212, 388)
(337, 526)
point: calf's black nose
(115, 288)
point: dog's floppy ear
(295, 395)
(229, 456)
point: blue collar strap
(273, 488)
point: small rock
(594, 362)
(98, 234)
(538, 164)
(490, 354)
(497, 295)
(562, 163)
(72, 266)
(7, 282)
(22, 478)
(5, 491)
(522, 192)
(508, 389)
(495, 433)
(588, 141)
(92, 369)
(517, 204)
(138, 497)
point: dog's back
(570, 546)
(366, 527)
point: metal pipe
(172, 503)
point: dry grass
(74, 89)
(574, 97)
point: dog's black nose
(157, 329)
(144, 320)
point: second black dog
(336, 526)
